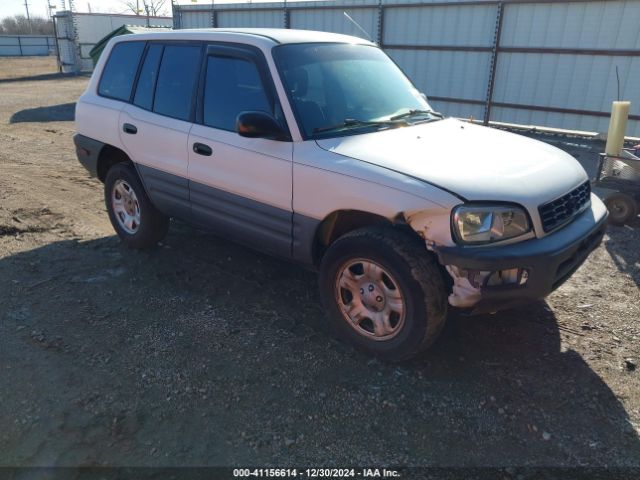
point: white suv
(316, 147)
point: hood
(474, 162)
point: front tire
(134, 218)
(384, 292)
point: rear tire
(622, 208)
(384, 292)
(134, 218)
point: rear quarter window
(148, 75)
(120, 71)
(176, 82)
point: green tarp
(96, 51)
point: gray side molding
(304, 233)
(169, 193)
(244, 220)
(266, 228)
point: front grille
(563, 209)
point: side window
(177, 80)
(309, 90)
(148, 75)
(120, 71)
(232, 86)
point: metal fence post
(54, 19)
(287, 16)
(214, 16)
(494, 61)
(20, 45)
(176, 13)
(380, 23)
(74, 37)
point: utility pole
(26, 6)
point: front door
(240, 186)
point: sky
(9, 8)
(38, 8)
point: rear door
(240, 186)
(155, 126)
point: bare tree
(156, 7)
(132, 6)
(145, 7)
(19, 25)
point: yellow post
(617, 127)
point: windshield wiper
(352, 122)
(416, 113)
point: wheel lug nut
(379, 298)
(371, 288)
(362, 291)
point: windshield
(344, 89)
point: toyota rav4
(316, 147)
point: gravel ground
(202, 352)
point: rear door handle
(202, 149)
(130, 129)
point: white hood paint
(475, 162)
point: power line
(26, 6)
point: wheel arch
(340, 222)
(108, 157)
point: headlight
(476, 224)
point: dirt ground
(202, 352)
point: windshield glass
(344, 89)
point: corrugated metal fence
(551, 63)
(26, 45)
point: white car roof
(255, 36)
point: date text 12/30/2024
(315, 473)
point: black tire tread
(425, 271)
(422, 264)
(154, 224)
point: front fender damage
(433, 228)
(431, 225)
(468, 285)
(466, 290)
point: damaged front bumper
(487, 279)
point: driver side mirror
(260, 125)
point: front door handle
(130, 129)
(202, 149)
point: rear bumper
(548, 261)
(88, 150)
